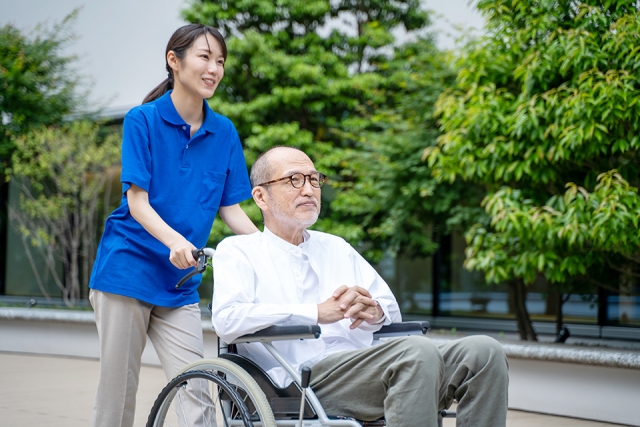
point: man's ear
(259, 196)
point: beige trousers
(407, 380)
(123, 325)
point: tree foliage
(391, 196)
(330, 77)
(37, 84)
(65, 176)
(544, 115)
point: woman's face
(201, 69)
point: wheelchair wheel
(243, 384)
(199, 398)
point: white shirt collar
(283, 244)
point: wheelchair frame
(280, 333)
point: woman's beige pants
(123, 325)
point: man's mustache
(307, 200)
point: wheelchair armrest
(402, 329)
(280, 333)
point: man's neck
(290, 235)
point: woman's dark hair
(179, 43)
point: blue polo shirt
(188, 179)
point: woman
(181, 164)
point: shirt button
(184, 127)
(187, 147)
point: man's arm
(235, 309)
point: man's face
(292, 207)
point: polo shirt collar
(210, 121)
(283, 244)
(168, 112)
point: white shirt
(261, 280)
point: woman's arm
(237, 220)
(141, 210)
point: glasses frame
(321, 178)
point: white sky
(120, 43)
(450, 14)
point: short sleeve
(136, 155)
(237, 187)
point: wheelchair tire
(245, 386)
(199, 398)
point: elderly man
(289, 275)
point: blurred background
(480, 154)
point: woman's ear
(259, 196)
(172, 60)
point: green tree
(65, 176)
(37, 84)
(353, 97)
(544, 116)
(37, 87)
(388, 195)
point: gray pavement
(58, 391)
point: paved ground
(58, 392)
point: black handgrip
(305, 377)
(187, 277)
(201, 258)
(404, 328)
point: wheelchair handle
(201, 255)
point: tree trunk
(517, 299)
(559, 315)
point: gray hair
(262, 169)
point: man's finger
(362, 291)
(356, 323)
(353, 298)
(354, 292)
(349, 299)
(358, 310)
(341, 290)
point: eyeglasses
(298, 180)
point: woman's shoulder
(219, 120)
(143, 109)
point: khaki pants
(407, 380)
(123, 325)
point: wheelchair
(231, 390)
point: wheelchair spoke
(209, 398)
(220, 408)
(198, 402)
